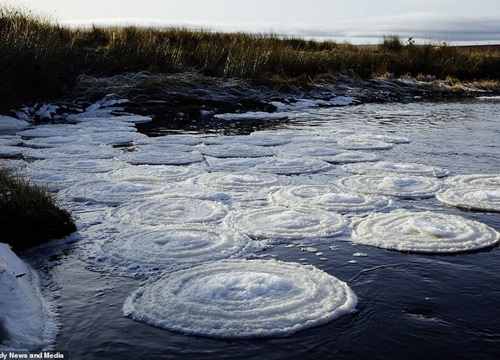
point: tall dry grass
(40, 59)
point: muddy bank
(189, 100)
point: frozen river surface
(321, 237)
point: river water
(411, 306)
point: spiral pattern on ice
(424, 232)
(281, 223)
(382, 167)
(236, 151)
(404, 186)
(164, 210)
(141, 251)
(328, 198)
(471, 198)
(241, 182)
(351, 157)
(240, 299)
(292, 166)
(474, 192)
(111, 193)
(155, 157)
(474, 180)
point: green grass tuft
(29, 214)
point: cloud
(416, 25)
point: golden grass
(40, 59)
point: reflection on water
(409, 306)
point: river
(410, 305)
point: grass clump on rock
(29, 214)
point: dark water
(410, 306)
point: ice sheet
(427, 232)
(410, 187)
(329, 198)
(277, 223)
(240, 299)
(382, 167)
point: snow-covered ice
(240, 299)
(10, 123)
(27, 320)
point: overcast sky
(436, 20)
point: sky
(357, 21)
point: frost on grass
(424, 232)
(239, 299)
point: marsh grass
(40, 59)
(29, 213)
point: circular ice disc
(111, 193)
(155, 157)
(240, 299)
(138, 251)
(278, 223)
(351, 157)
(425, 232)
(382, 167)
(241, 182)
(79, 165)
(363, 144)
(474, 198)
(152, 173)
(388, 138)
(474, 180)
(291, 166)
(404, 186)
(329, 198)
(165, 210)
(236, 151)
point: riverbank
(42, 61)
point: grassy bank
(29, 214)
(41, 60)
